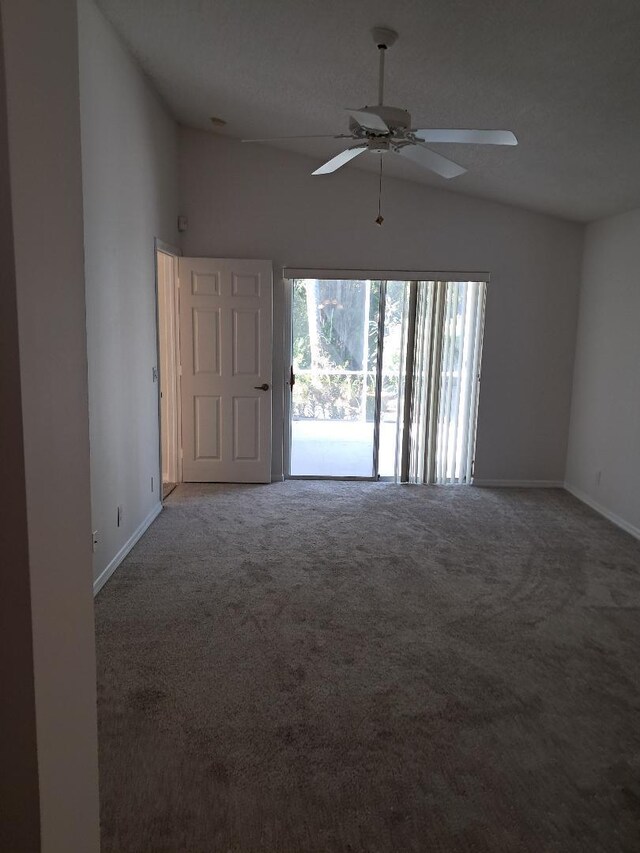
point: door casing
(173, 252)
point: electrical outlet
(120, 515)
(94, 540)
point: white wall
(605, 417)
(130, 196)
(41, 56)
(259, 202)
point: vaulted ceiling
(564, 75)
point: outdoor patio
(340, 448)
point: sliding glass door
(336, 349)
(385, 378)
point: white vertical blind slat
(455, 361)
(467, 380)
(416, 409)
(461, 345)
(475, 378)
(420, 383)
(401, 390)
(445, 344)
(450, 331)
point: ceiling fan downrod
(382, 49)
(384, 39)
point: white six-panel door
(226, 356)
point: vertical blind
(442, 381)
(457, 403)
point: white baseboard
(104, 576)
(601, 510)
(519, 484)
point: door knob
(263, 387)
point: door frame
(173, 251)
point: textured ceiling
(564, 75)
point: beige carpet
(366, 668)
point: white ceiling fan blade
(370, 121)
(340, 159)
(312, 136)
(428, 159)
(474, 137)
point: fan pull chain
(380, 218)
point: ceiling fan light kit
(382, 129)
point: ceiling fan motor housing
(393, 117)
(379, 145)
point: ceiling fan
(382, 129)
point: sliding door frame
(413, 279)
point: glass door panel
(335, 352)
